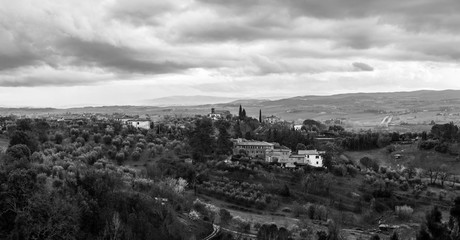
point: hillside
(409, 111)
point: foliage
(269, 232)
(18, 151)
(244, 193)
(404, 212)
(369, 163)
(200, 139)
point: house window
(317, 157)
(316, 163)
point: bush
(135, 156)
(120, 157)
(404, 186)
(107, 139)
(442, 147)
(58, 138)
(429, 144)
(391, 148)
(369, 163)
(285, 191)
(18, 151)
(339, 170)
(404, 212)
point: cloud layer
(326, 46)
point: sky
(112, 52)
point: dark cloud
(142, 12)
(417, 14)
(118, 58)
(52, 77)
(362, 66)
(17, 60)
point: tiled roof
(254, 143)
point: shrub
(404, 212)
(135, 156)
(107, 139)
(120, 157)
(339, 170)
(97, 138)
(391, 148)
(297, 209)
(404, 186)
(58, 138)
(18, 151)
(428, 144)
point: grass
(411, 155)
(4, 144)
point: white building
(312, 157)
(298, 127)
(139, 123)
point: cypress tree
(240, 113)
(260, 115)
(243, 113)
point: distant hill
(357, 109)
(187, 101)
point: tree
(375, 237)
(97, 138)
(260, 115)
(394, 236)
(369, 163)
(18, 151)
(267, 232)
(224, 145)
(135, 156)
(433, 174)
(285, 191)
(200, 139)
(21, 137)
(301, 146)
(107, 139)
(240, 112)
(455, 219)
(58, 138)
(225, 216)
(433, 227)
(24, 124)
(443, 173)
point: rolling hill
(356, 110)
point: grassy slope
(411, 155)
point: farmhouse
(277, 155)
(139, 123)
(272, 119)
(254, 149)
(312, 157)
(298, 127)
(219, 114)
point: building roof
(254, 143)
(297, 156)
(279, 150)
(308, 152)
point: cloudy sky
(86, 52)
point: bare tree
(443, 174)
(433, 174)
